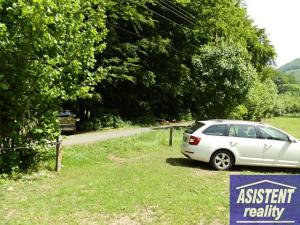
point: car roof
(223, 121)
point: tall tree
(149, 53)
(47, 51)
(222, 76)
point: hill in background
(292, 68)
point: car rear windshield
(191, 129)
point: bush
(261, 100)
(106, 120)
(146, 120)
(238, 113)
(287, 103)
(187, 116)
(47, 55)
(20, 159)
(90, 125)
(292, 115)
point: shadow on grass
(185, 162)
(267, 170)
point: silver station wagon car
(224, 143)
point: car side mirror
(292, 140)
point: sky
(281, 19)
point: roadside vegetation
(134, 180)
(115, 63)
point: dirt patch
(116, 159)
(221, 209)
(236, 173)
(10, 214)
(141, 216)
(202, 172)
(217, 222)
(84, 217)
(120, 160)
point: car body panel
(281, 153)
(249, 150)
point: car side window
(273, 134)
(242, 130)
(218, 130)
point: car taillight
(194, 140)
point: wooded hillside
(292, 68)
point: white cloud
(281, 20)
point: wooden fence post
(58, 155)
(171, 136)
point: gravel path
(91, 137)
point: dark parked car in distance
(67, 121)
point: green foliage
(295, 74)
(149, 61)
(222, 77)
(261, 100)
(288, 102)
(154, 64)
(145, 120)
(282, 81)
(238, 113)
(108, 120)
(187, 116)
(47, 55)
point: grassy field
(135, 180)
(290, 125)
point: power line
(192, 16)
(138, 35)
(129, 32)
(176, 12)
(164, 17)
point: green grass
(135, 180)
(290, 125)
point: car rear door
(278, 150)
(243, 138)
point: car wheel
(222, 160)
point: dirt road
(91, 137)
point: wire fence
(32, 145)
(21, 145)
(57, 144)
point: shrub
(187, 116)
(238, 113)
(105, 120)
